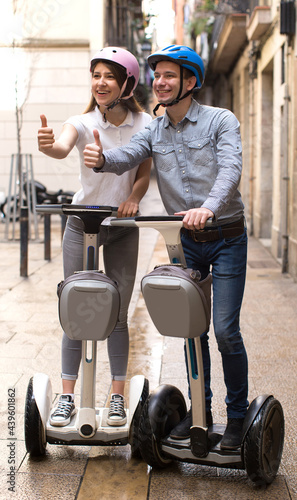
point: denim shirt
(198, 162)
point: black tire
(263, 444)
(14, 209)
(134, 428)
(163, 410)
(34, 429)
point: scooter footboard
(178, 301)
(89, 304)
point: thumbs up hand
(97, 138)
(93, 152)
(45, 136)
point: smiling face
(166, 84)
(105, 88)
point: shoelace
(62, 409)
(116, 406)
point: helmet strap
(109, 108)
(175, 101)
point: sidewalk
(30, 339)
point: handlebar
(92, 216)
(153, 221)
(69, 209)
(49, 209)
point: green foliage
(202, 19)
(198, 26)
(207, 5)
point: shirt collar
(129, 120)
(193, 111)
(191, 115)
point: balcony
(259, 22)
(229, 43)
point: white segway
(177, 308)
(88, 309)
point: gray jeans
(120, 252)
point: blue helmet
(182, 55)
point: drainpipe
(288, 28)
(252, 75)
(285, 184)
(252, 160)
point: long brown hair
(120, 75)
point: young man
(197, 156)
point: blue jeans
(226, 259)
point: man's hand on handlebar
(196, 218)
(93, 156)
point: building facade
(251, 69)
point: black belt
(220, 232)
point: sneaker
(233, 434)
(63, 412)
(117, 415)
(182, 430)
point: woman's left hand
(128, 209)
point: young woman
(114, 111)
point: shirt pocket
(201, 152)
(164, 157)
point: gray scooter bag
(89, 304)
(178, 301)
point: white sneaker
(63, 412)
(117, 415)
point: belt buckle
(197, 231)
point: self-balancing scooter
(88, 309)
(177, 309)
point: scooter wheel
(134, 428)
(263, 444)
(34, 429)
(163, 410)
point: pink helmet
(123, 58)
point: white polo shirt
(107, 188)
